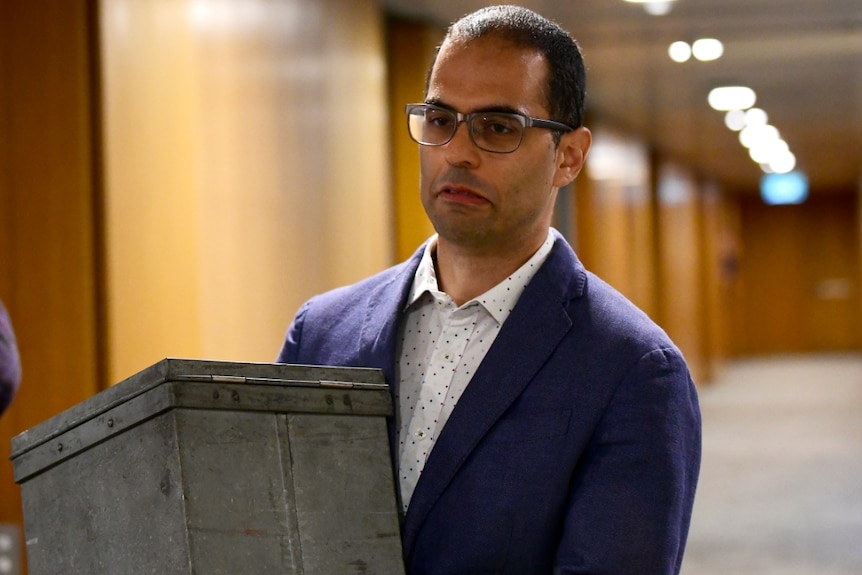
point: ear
(571, 154)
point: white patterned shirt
(441, 346)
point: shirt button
(420, 434)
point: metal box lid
(200, 384)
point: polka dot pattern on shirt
(442, 346)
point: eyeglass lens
(494, 132)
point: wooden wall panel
(152, 165)
(772, 271)
(615, 232)
(47, 228)
(720, 275)
(680, 272)
(800, 273)
(247, 169)
(832, 289)
(411, 47)
(858, 243)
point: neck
(467, 273)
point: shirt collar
(500, 299)
(425, 278)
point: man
(544, 424)
(10, 366)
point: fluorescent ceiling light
(756, 136)
(679, 51)
(756, 117)
(658, 8)
(766, 152)
(783, 163)
(727, 98)
(707, 49)
(735, 120)
(655, 7)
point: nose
(461, 150)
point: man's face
(484, 201)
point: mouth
(461, 194)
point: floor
(780, 491)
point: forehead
(487, 72)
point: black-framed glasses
(499, 132)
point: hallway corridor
(780, 491)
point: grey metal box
(209, 467)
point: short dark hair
(566, 89)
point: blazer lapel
(379, 332)
(379, 337)
(531, 334)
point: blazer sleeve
(289, 352)
(631, 498)
(10, 363)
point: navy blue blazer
(10, 363)
(575, 447)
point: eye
(499, 129)
(438, 118)
(500, 125)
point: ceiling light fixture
(679, 51)
(658, 8)
(758, 135)
(703, 49)
(755, 117)
(763, 140)
(707, 49)
(725, 98)
(784, 163)
(769, 151)
(655, 7)
(735, 120)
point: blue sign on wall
(789, 188)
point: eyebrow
(497, 108)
